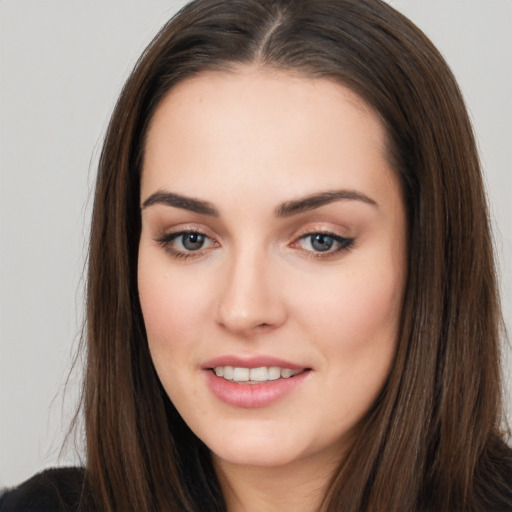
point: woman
(291, 295)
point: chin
(255, 457)
(249, 448)
(266, 448)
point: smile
(254, 375)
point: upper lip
(251, 362)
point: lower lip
(252, 395)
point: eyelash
(166, 242)
(344, 244)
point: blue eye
(324, 243)
(321, 242)
(185, 244)
(192, 241)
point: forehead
(266, 128)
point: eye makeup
(323, 244)
(185, 244)
(192, 243)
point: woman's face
(272, 262)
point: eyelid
(326, 228)
(340, 248)
(166, 232)
(166, 237)
(346, 241)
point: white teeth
(228, 372)
(258, 374)
(253, 375)
(241, 374)
(274, 373)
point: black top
(53, 490)
(60, 490)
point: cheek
(171, 315)
(359, 342)
(362, 307)
(171, 303)
(171, 312)
(356, 326)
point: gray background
(62, 63)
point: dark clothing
(53, 490)
(60, 490)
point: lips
(252, 382)
(251, 362)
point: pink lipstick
(252, 382)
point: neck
(299, 486)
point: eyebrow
(286, 209)
(179, 201)
(313, 201)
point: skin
(247, 142)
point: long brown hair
(431, 441)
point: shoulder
(53, 490)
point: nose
(251, 301)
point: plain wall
(62, 63)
